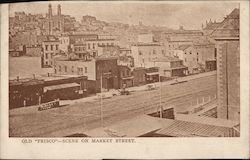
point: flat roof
(166, 59)
(58, 77)
(61, 86)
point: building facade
(50, 48)
(228, 66)
(145, 53)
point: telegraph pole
(101, 103)
(160, 96)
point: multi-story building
(103, 68)
(64, 43)
(228, 66)
(144, 53)
(126, 79)
(198, 56)
(50, 48)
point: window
(197, 53)
(46, 47)
(60, 68)
(140, 53)
(57, 47)
(197, 59)
(154, 52)
(65, 68)
(185, 59)
(86, 70)
(127, 72)
(72, 69)
(88, 46)
(163, 52)
(93, 45)
(215, 53)
(190, 52)
(51, 47)
(46, 55)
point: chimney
(34, 76)
(17, 78)
(48, 74)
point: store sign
(49, 105)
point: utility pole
(160, 96)
(101, 103)
(227, 105)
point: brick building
(228, 66)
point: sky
(170, 14)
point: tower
(50, 11)
(59, 10)
(59, 18)
(50, 19)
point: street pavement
(82, 116)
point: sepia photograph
(126, 69)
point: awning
(61, 86)
(127, 78)
(153, 73)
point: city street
(82, 116)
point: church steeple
(50, 11)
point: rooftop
(146, 44)
(184, 46)
(145, 125)
(229, 27)
(207, 120)
(166, 59)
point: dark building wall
(178, 72)
(25, 91)
(62, 94)
(139, 76)
(210, 65)
(125, 75)
(109, 81)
